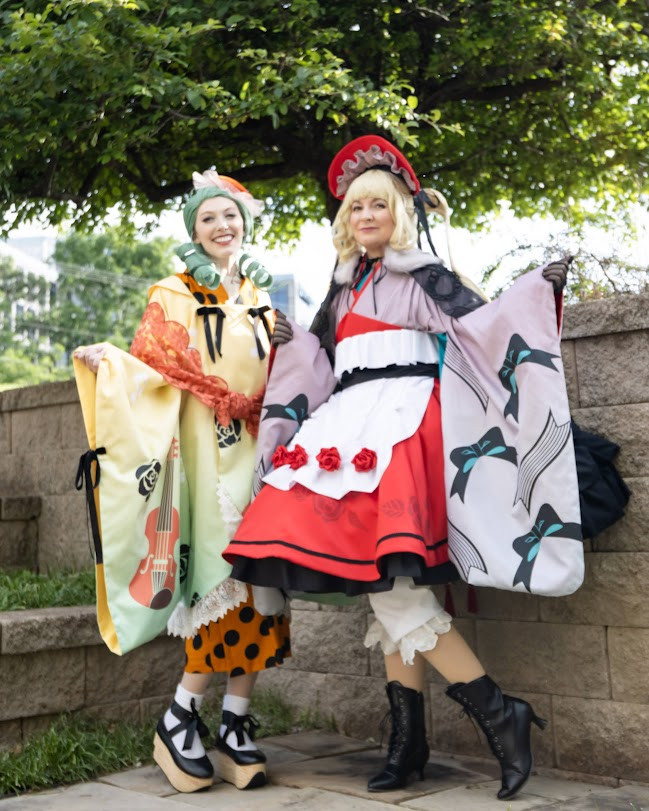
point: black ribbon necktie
(259, 313)
(212, 343)
(84, 474)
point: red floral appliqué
(295, 458)
(299, 457)
(282, 456)
(364, 461)
(329, 459)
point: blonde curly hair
(381, 185)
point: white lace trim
(215, 604)
(422, 638)
(376, 350)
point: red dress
(300, 540)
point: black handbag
(603, 494)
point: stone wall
(581, 660)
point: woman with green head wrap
(178, 418)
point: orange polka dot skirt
(243, 641)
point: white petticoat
(375, 415)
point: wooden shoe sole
(243, 777)
(179, 779)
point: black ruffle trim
(293, 577)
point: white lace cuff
(215, 604)
(422, 638)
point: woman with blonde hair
(398, 481)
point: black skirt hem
(289, 576)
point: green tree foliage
(100, 294)
(116, 102)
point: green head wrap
(200, 195)
(199, 264)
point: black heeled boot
(408, 749)
(244, 768)
(506, 721)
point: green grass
(25, 589)
(77, 748)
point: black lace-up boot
(185, 774)
(506, 721)
(244, 768)
(408, 749)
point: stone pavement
(317, 770)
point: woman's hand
(91, 355)
(556, 272)
(283, 331)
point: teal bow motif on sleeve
(519, 352)
(547, 524)
(465, 457)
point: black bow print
(519, 352)
(466, 456)
(547, 524)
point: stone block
(18, 545)
(116, 711)
(34, 472)
(38, 725)
(39, 683)
(42, 395)
(73, 432)
(41, 629)
(11, 735)
(629, 534)
(625, 425)
(628, 653)
(150, 670)
(19, 508)
(64, 535)
(608, 369)
(328, 642)
(602, 737)
(357, 703)
(622, 313)
(152, 708)
(5, 433)
(570, 372)
(451, 731)
(613, 593)
(304, 605)
(545, 658)
(495, 604)
(38, 429)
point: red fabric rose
(282, 456)
(364, 460)
(299, 457)
(329, 459)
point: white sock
(183, 697)
(239, 706)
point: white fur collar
(394, 261)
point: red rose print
(329, 509)
(299, 457)
(282, 456)
(329, 459)
(364, 460)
